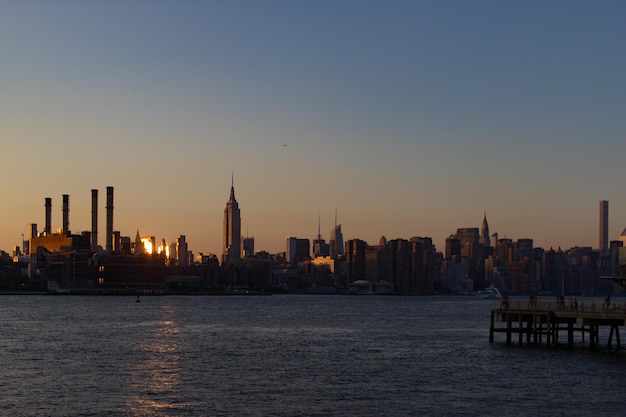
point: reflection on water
(285, 356)
(155, 379)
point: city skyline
(411, 119)
(231, 225)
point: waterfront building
(422, 265)
(232, 228)
(355, 260)
(377, 262)
(400, 264)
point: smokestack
(66, 214)
(33, 230)
(109, 238)
(94, 220)
(48, 216)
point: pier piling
(537, 319)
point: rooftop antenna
(319, 230)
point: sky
(403, 118)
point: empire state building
(232, 228)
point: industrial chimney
(48, 216)
(66, 214)
(94, 220)
(109, 239)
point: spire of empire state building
(485, 239)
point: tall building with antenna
(485, 239)
(604, 227)
(320, 247)
(232, 227)
(336, 240)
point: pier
(540, 322)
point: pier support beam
(614, 329)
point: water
(286, 355)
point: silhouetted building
(615, 246)
(453, 247)
(290, 250)
(400, 264)
(355, 260)
(182, 257)
(336, 242)
(604, 227)
(131, 272)
(232, 228)
(484, 233)
(554, 268)
(320, 248)
(468, 235)
(247, 244)
(61, 243)
(523, 248)
(422, 265)
(377, 263)
(297, 250)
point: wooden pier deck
(539, 322)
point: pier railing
(542, 319)
(565, 306)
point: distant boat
(137, 300)
(490, 292)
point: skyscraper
(604, 227)
(182, 254)
(290, 249)
(485, 239)
(232, 228)
(247, 244)
(336, 240)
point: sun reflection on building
(150, 247)
(147, 245)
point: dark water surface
(286, 355)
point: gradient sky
(410, 118)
